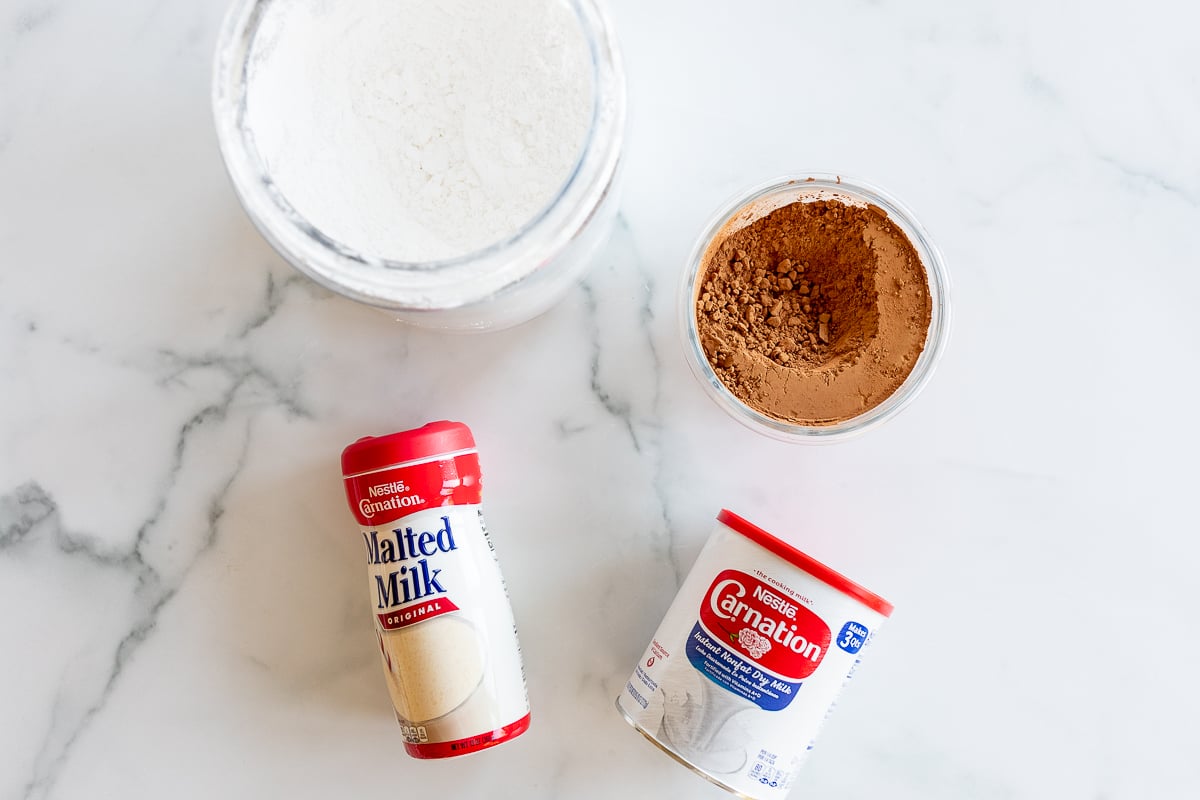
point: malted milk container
(749, 660)
(442, 617)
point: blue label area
(852, 637)
(731, 671)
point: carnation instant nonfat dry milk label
(442, 618)
(749, 660)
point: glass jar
(501, 285)
(757, 202)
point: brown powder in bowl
(814, 313)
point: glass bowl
(758, 201)
(501, 285)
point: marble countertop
(182, 591)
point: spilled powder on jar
(419, 131)
(815, 313)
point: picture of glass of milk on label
(418, 631)
(755, 647)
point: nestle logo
(748, 616)
(391, 487)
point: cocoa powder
(814, 313)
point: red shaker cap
(805, 562)
(372, 453)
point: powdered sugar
(416, 131)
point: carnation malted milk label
(442, 617)
(749, 660)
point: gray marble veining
(183, 596)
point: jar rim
(827, 184)
(438, 283)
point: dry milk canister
(749, 660)
(442, 617)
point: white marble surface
(183, 612)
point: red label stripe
(412, 614)
(383, 496)
(471, 744)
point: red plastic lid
(376, 452)
(805, 562)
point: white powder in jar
(416, 130)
